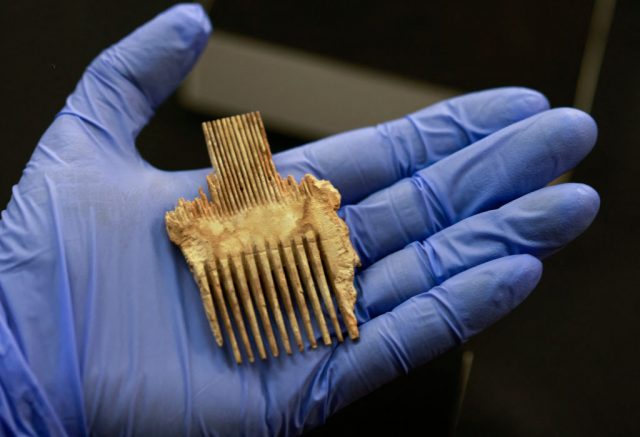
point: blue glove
(102, 329)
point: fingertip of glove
(190, 19)
(520, 101)
(589, 196)
(554, 215)
(587, 203)
(486, 293)
(500, 107)
(572, 126)
(556, 196)
(532, 101)
(521, 274)
(528, 271)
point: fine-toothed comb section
(269, 255)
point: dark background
(566, 361)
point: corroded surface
(266, 252)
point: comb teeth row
(244, 293)
(243, 186)
(269, 255)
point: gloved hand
(102, 328)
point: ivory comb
(268, 254)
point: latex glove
(103, 329)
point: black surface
(565, 362)
(469, 45)
(423, 402)
(45, 47)
(464, 44)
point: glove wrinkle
(440, 216)
(432, 263)
(446, 314)
(323, 403)
(392, 348)
(30, 411)
(64, 386)
(104, 330)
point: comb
(268, 254)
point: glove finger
(121, 88)
(428, 325)
(512, 162)
(366, 160)
(537, 224)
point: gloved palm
(103, 328)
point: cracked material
(269, 255)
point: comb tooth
(203, 196)
(214, 156)
(211, 145)
(242, 144)
(305, 186)
(264, 159)
(321, 280)
(257, 131)
(214, 279)
(257, 170)
(293, 186)
(227, 280)
(215, 196)
(238, 163)
(258, 297)
(346, 309)
(202, 207)
(229, 179)
(209, 307)
(238, 270)
(281, 280)
(305, 273)
(213, 193)
(265, 273)
(224, 205)
(298, 293)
